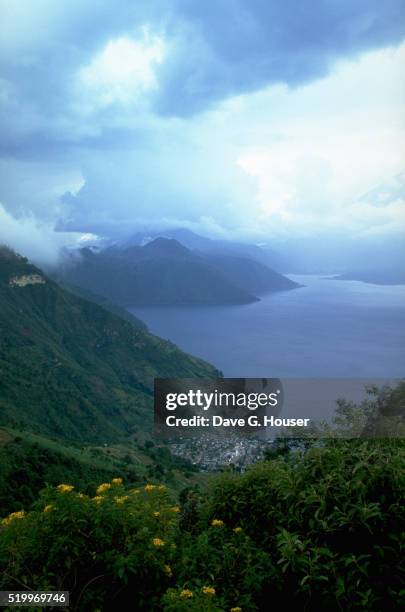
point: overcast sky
(256, 119)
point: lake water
(327, 328)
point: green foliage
(227, 558)
(117, 546)
(29, 462)
(332, 523)
(201, 600)
(323, 530)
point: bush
(115, 547)
(332, 523)
(322, 530)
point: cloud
(336, 139)
(251, 117)
(122, 72)
(227, 48)
(179, 175)
(35, 240)
(278, 163)
(216, 49)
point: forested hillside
(71, 369)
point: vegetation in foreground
(29, 462)
(323, 530)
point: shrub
(332, 523)
(323, 530)
(115, 547)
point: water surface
(327, 328)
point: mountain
(70, 368)
(165, 272)
(375, 277)
(201, 244)
(251, 275)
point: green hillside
(29, 462)
(71, 369)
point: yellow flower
(103, 488)
(162, 487)
(81, 495)
(13, 516)
(175, 509)
(238, 530)
(97, 499)
(207, 590)
(121, 500)
(168, 571)
(186, 594)
(217, 523)
(236, 609)
(150, 487)
(117, 481)
(65, 488)
(156, 514)
(158, 542)
(48, 508)
(135, 491)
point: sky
(263, 120)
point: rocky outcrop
(27, 279)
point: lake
(328, 328)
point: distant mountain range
(375, 277)
(71, 369)
(165, 272)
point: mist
(40, 242)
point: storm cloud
(215, 115)
(226, 48)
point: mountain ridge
(165, 272)
(71, 369)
